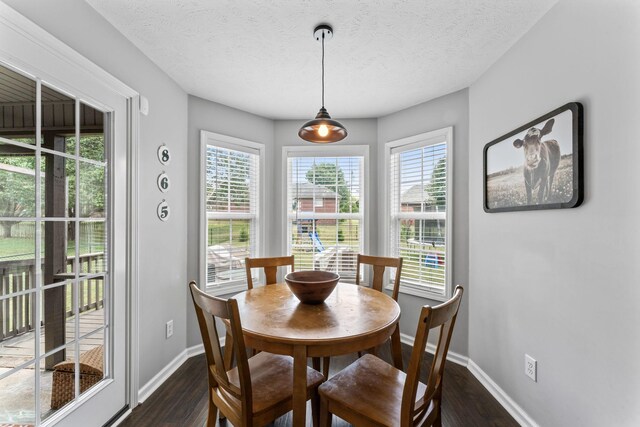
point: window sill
(226, 289)
(421, 291)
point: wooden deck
(17, 390)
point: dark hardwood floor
(182, 400)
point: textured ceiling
(260, 55)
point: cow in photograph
(541, 159)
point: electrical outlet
(531, 367)
(169, 328)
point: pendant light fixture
(323, 129)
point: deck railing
(17, 313)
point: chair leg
(316, 363)
(437, 422)
(396, 348)
(212, 418)
(315, 408)
(326, 361)
(325, 415)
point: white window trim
(324, 151)
(229, 142)
(422, 140)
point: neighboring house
(310, 197)
(426, 231)
(314, 198)
(413, 199)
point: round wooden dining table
(353, 318)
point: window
(231, 209)
(325, 207)
(419, 200)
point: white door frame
(17, 31)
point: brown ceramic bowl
(312, 286)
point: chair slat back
(443, 319)
(379, 265)
(208, 308)
(270, 266)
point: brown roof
(415, 195)
(306, 190)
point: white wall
(562, 285)
(449, 110)
(162, 245)
(218, 118)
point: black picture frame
(511, 186)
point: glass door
(62, 252)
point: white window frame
(330, 151)
(417, 141)
(230, 143)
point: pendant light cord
(323, 69)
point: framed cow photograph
(537, 166)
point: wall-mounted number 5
(163, 211)
(163, 182)
(164, 155)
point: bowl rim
(335, 278)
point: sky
(504, 155)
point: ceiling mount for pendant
(321, 30)
(322, 129)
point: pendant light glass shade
(323, 129)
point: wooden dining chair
(378, 266)
(270, 266)
(370, 392)
(259, 389)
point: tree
(331, 176)
(438, 185)
(228, 182)
(92, 184)
(17, 186)
(17, 190)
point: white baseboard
(198, 349)
(452, 356)
(155, 382)
(498, 393)
(501, 396)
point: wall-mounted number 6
(164, 155)
(163, 211)
(163, 182)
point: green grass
(415, 268)
(16, 248)
(19, 248)
(218, 232)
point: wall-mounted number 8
(164, 155)
(163, 182)
(163, 211)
